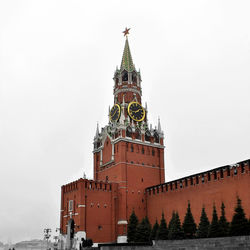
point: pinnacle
(127, 62)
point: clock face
(115, 113)
(136, 111)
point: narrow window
(186, 182)
(191, 181)
(228, 171)
(153, 152)
(142, 150)
(181, 184)
(176, 185)
(132, 148)
(70, 205)
(125, 77)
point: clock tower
(128, 151)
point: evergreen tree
(132, 225)
(239, 224)
(214, 227)
(203, 227)
(175, 229)
(149, 227)
(143, 231)
(189, 226)
(162, 233)
(171, 222)
(154, 231)
(249, 226)
(223, 223)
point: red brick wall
(200, 194)
(95, 209)
(107, 151)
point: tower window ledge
(148, 142)
(137, 140)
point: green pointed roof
(127, 62)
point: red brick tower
(128, 151)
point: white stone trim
(81, 205)
(122, 239)
(134, 164)
(126, 90)
(122, 222)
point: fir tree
(132, 225)
(189, 226)
(149, 227)
(203, 227)
(239, 224)
(249, 226)
(171, 222)
(154, 231)
(223, 223)
(175, 229)
(214, 227)
(162, 233)
(143, 231)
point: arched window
(138, 134)
(129, 132)
(125, 77)
(156, 137)
(147, 136)
(134, 78)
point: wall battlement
(215, 174)
(88, 184)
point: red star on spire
(126, 31)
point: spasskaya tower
(129, 174)
(129, 151)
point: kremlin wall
(129, 174)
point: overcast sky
(57, 60)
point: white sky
(57, 60)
